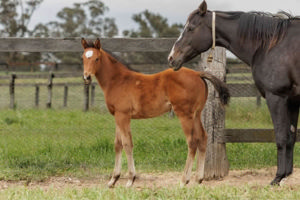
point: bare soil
(159, 180)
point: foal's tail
(219, 86)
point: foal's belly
(150, 110)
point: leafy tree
(15, 15)
(82, 20)
(153, 26)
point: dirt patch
(157, 180)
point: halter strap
(213, 30)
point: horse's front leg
(123, 122)
(118, 158)
(278, 107)
(293, 109)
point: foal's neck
(109, 71)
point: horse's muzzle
(174, 64)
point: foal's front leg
(123, 124)
(118, 159)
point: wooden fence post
(213, 118)
(93, 94)
(12, 90)
(49, 86)
(37, 94)
(86, 94)
(65, 95)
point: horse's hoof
(276, 181)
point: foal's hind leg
(201, 151)
(187, 123)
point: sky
(176, 11)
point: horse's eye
(189, 29)
(97, 59)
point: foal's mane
(263, 29)
(114, 58)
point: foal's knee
(118, 146)
(193, 145)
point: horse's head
(195, 38)
(90, 58)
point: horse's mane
(115, 58)
(263, 28)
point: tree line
(82, 19)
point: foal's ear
(97, 44)
(84, 43)
(203, 8)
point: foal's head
(90, 57)
(195, 38)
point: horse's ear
(84, 43)
(203, 8)
(97, 44)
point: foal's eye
(97, 59)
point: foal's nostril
(87, 77)
(170, 58)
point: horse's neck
(109, 71)
(226, 36)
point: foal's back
(146, 96)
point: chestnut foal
(132, 95)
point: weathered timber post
(93, 87)
(12, 90)
(213, 118)
(86, 94)
(65, 95)
(49, 86)
(37, 94)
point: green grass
(41, 143)
(203, 192)
(36, 144)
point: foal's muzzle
(87, 79)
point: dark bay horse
(271, 46)
(132, 95)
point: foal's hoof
(130, 182)
(184, 183)
(200, 181)
(113, 181)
